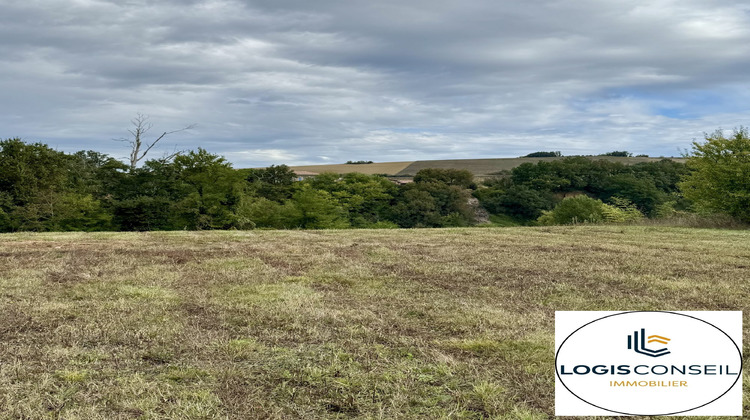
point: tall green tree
(416, 208)
(95, 173)
(458, 177)
(33, 179)
(30, 170)
(212, 189)
(641, 191)
(317, 209)
(366, 198)
(275, 182)
(146, 198)
(720, 176)
(432, 204)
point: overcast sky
(322, 81)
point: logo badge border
(739, 375)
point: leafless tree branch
(139, 148)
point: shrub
(584, 209)
(579, 209)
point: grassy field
(479, 167)
(433, 323)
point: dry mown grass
(454, 323)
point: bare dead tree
(140, 147)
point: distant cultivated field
(479, 167)
(389, 168)
(432, 323)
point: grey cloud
(297, 81)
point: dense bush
(524, 202)
(579, 209)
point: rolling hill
(479, 167)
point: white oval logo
(648, 363)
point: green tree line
(715, 180)
(42, 189)
(531, 188)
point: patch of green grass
(293, 294)
(533, 354)
(72, 376)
